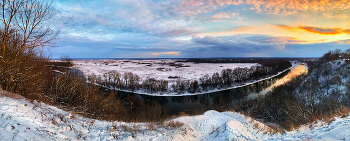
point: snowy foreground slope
(24, 120)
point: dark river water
(220, 101)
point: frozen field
(158, 69)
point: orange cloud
(289, 34)
(243, 29)
(285, 27)
(222, 15)
(321, 30)
(225, 15)
(288, 7)
(166, 53)
(340, 16)
(343, 41)
(318, 30)
(279, 7)
(194, 7)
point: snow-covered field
(144, 70)
(24, 120)
(150, 69)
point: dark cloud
(234, 43)
(233, 46)
(274, 39)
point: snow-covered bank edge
(21, 119)
(207, 92)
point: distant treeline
(226, 78)
(262, 61)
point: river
(220, 101)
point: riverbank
(207, 92)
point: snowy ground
(139, 67)
(24, 120)
(150, 69)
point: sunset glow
(200, 28)
(166, 53)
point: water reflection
(220, 101)
(297, 69)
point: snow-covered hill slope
(24, 120)
(330, 80)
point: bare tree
(9, 10)
(30, 18)
(25, 29)
(115, 75)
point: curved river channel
(220, 101)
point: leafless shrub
(152, 126)
(183, 114)
(115, 136)
(73, 115)
(91, 122)
(344, 112)
(53, 121)
(60, 116)
(125, 128)
(173, 124)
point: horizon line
(193, 58)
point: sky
(199, 28)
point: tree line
(226, 78)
